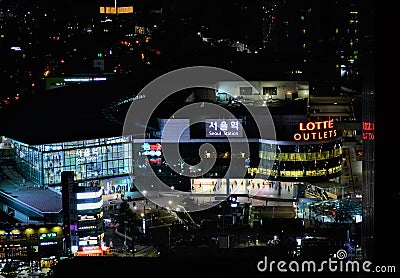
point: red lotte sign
(315, 131)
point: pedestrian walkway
(257, 188)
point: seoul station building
(105, 160)
(306, 149)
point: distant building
(116, 7)
(83, 217)
(30, 242)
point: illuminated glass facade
(276, 161)
(304, 150)
(89, 216)
(21, 243)
(300, 162)
(106, 161)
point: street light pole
(169, 238)
(144, 219)
(223, 218)
(126, 222)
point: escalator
(183, 216)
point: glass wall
(89, 159)
(300, 161)
(108, 161)
(28, 160)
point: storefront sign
(368, 131)
(154, 151)
(315, 131)
(151, 149)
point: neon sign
(315, 131)
(221, 128)
(151, 149)
(368, 129)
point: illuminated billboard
(153, 152)
(224, 128)
(315, 131)
(116, 10)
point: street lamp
(143, 215)
(64, 246)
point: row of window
(89, 170)
(310, 156)
(23, 237)
(307, 156)
(245, 91)
(87, 155)
(295, 173)
(101, 161)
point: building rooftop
(43, 199)
(74, 112)
(89, 110)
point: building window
(34, 237)
(271, 91)
(245, 91)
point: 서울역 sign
(87, 155)
(223, 128)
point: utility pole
(126, 223)
(169, 238)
